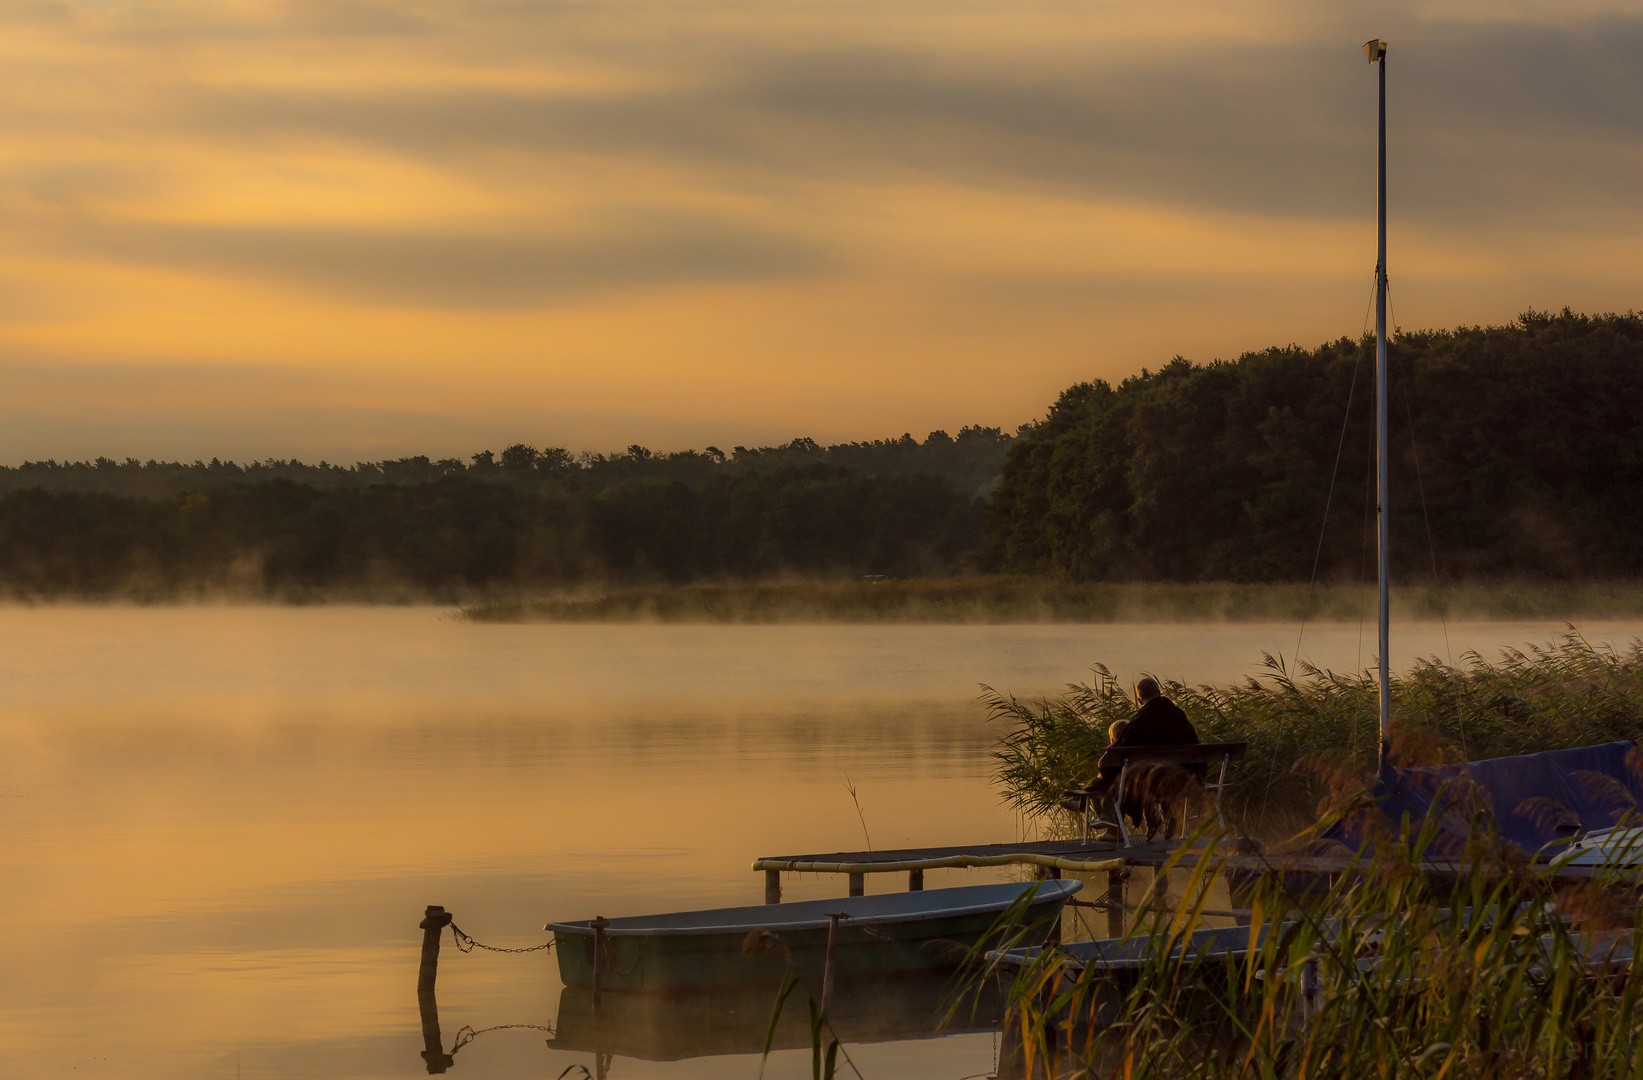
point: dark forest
(526, 518)
(1517, 451)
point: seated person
(1159, 722)
(1151, 792)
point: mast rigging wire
(1431, 547)
(1346, 419)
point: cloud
(648, 250)
(69, 411)
(794, 201)
(1283, 130)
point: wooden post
(433, 925)
(827, 970)
(772, 886)
(599, 923)
(1115, 901)
(858, 884)
(915, 881)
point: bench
(1126, 756)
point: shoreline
(1026, 601)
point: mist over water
(219, 826)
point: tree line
(970, 462)
(1516, 451)
(475, 531)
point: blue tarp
(1535, 799)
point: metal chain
(466, 1034)
(468, 944)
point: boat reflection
(656, 1027)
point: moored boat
(887, 935)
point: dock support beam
(915, 881)
(772, 886)
(1115, 902)
(858, 884)
(598, 925)
(827, 969)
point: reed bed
(1386, 973)
(984, 600)
(1313, 735)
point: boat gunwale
(1063, 891)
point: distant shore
(994, 600)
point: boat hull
(737, 1020)
(898, 934)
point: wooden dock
(1079, 856)
(1092, 857)
(1052, 857)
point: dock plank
(1076, 855)
(1082, 856)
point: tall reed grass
(1312, 734)
(1500, 971)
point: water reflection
(434, 1056)
(433, 1045)
(736, 1022)
(237, 816)
(659, 1027)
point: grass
(983, 600)
(1313, 734)
(1488, 975)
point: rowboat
(886, 935)
(1606, 848)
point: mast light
(1374, 49)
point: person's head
(1115, 729)
(1147, 689)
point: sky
(353, 230)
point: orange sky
(353, 230)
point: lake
(219, 826)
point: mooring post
(1115, 901)
(772, 886)
(433, 925)
(598, 924)
(858, 884)
(915, 881)
(827, 970)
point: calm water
(219, 827)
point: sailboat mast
(1383, 465)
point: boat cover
(1536, 800)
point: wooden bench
(1126, 756)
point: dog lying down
(1158, 796)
